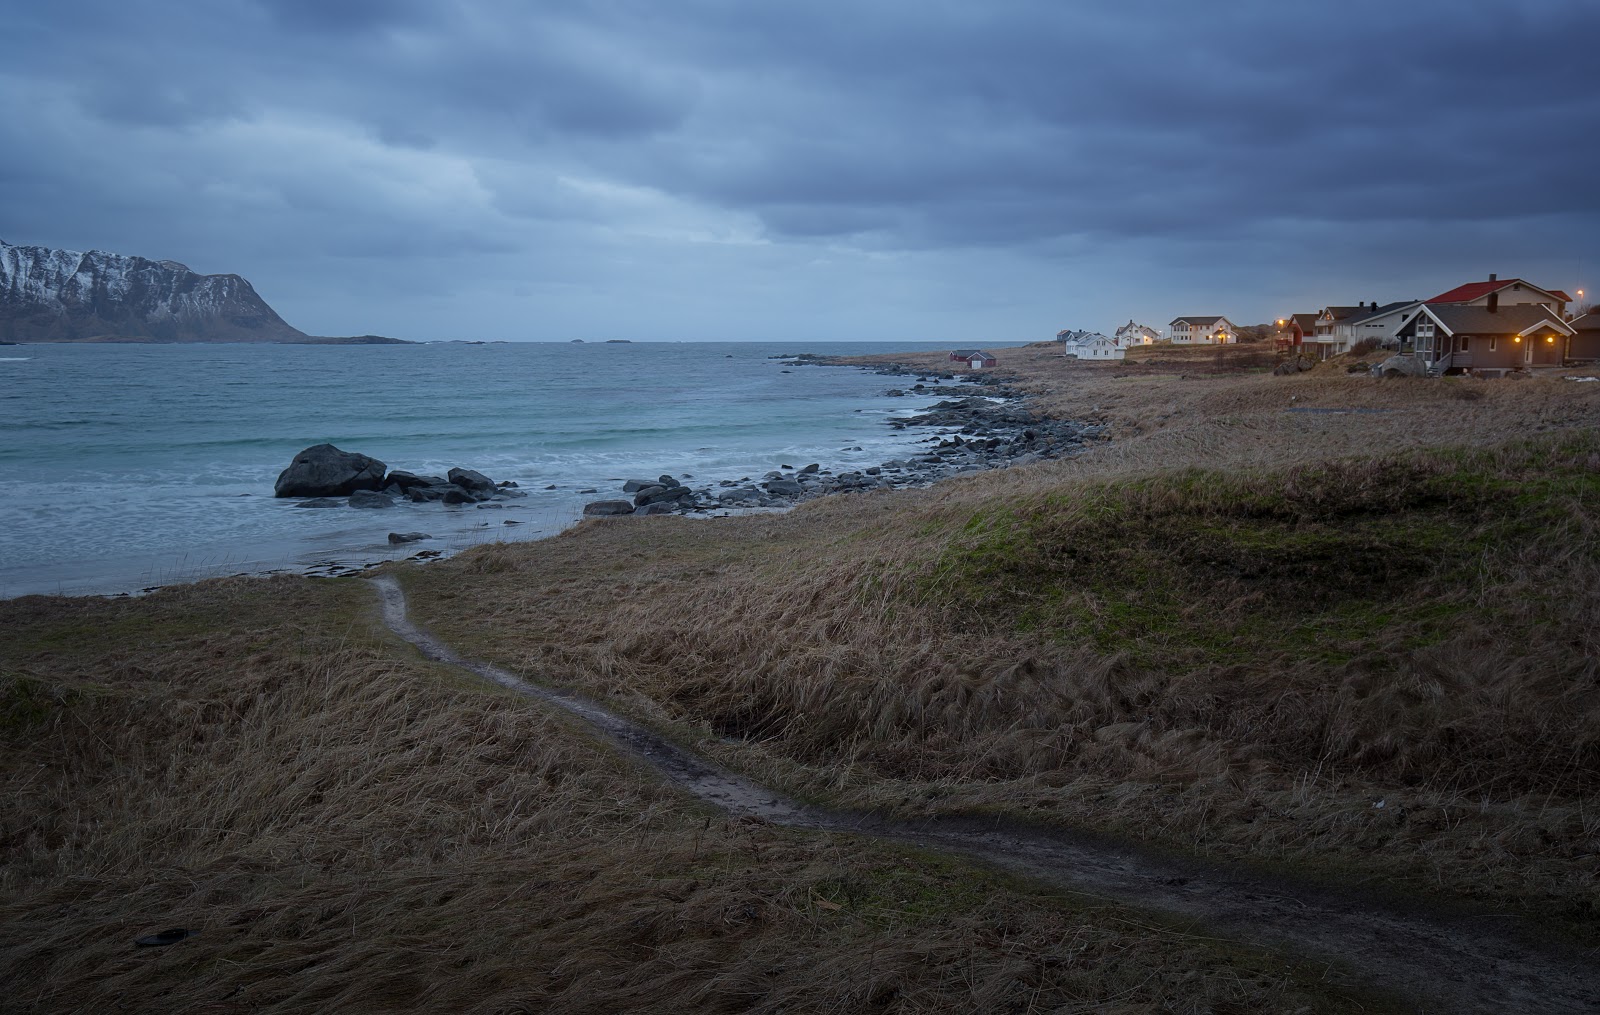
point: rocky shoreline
(969, 433)
(974, 433)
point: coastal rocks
(370, 499)
(1292, 366)
(396, 538)
(324, 471)
(406, 480)
(471, 480)
(609, 507)
(783, 487)
(320, 502)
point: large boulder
(609, 507)
(325, 471)
(1400, 366)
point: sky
(907, 170)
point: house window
(1493, 342)
(1463, 344)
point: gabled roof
(1306, 321)
(1474, 290)
(1202, 321)
(1519, 319)
(964, 352)
(1383, 311)
(974, 354)
(1588, 322)
(1340, 313)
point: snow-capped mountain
(66, 296)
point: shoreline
(968, 431)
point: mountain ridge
(55, 295)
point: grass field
(350, 829)
(1354, 646)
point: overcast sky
(977, 171)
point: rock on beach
(322, 470)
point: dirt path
(1442, 963)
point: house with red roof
(1509, 292)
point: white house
(1338, 329)
(1095, 347)
(1136, 334)
(1203, 330)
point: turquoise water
(126, 466)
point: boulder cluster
(323, 473)
(977, 433)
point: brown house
(1459, 338)
(1584, 344)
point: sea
(128, 467)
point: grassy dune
(351, 829)
(1377, 667)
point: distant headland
(50, 295)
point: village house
(1072, 335)
(980, 360)
(1487, 339)
(1136, 334)
(1095, 346)
(1295, 331)
(1211, 330)
(1336, 330)
(962, 355)
(1508, 293)
(1584, 346)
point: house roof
(1588, 322)
(1383, 311)
(964, 352)
(1340, 313)
(1459, 319)
(979, 352)
(1473, 290)
(1199, 320)
(1306, 321)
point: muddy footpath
(1443, 962)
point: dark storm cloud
(1036, 131)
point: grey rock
(407, 537)
(783, 488)
(324, 471)
(810, 469)
(370, 499)
(423, 494)
(468, 479)
(609, 507)
(406, 480)
(1400, 366)
(590, 490)
(456, 495)
(321, 502)
(635, 485)
(667, 481)
(656, 508)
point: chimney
(1494, 302)
(1374, 304)
(1493, 277)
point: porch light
(1549, 339)
(1517, 339)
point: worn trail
(1443, 963)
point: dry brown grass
(353, 830)
(982, 646)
